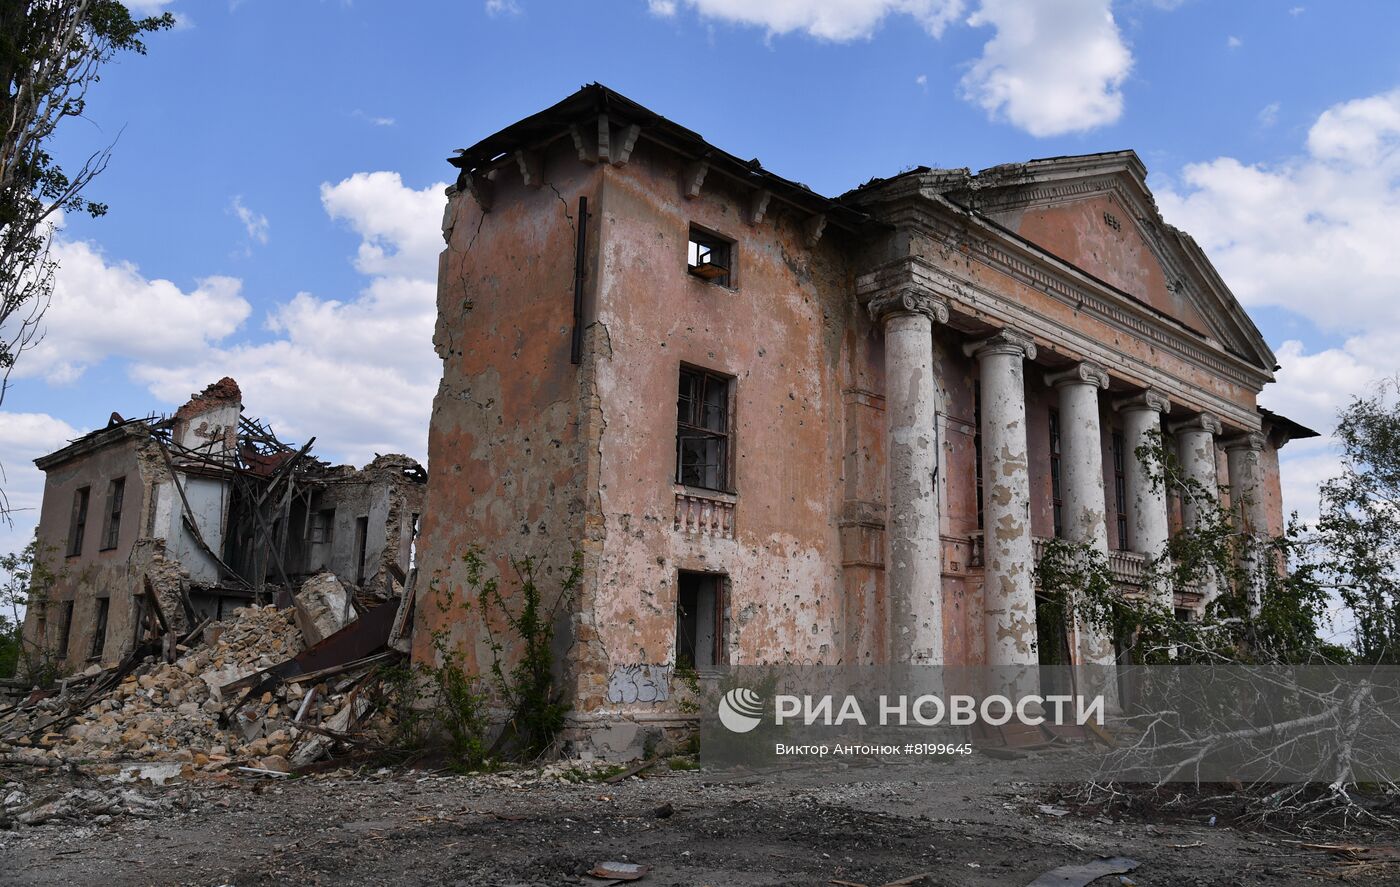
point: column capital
(1250, 440)
(1151, 399)
(907, 300)
(1085, 372)
(1203, 422)
(1008, 341)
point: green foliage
(447, 699)
(595, 774)
(1261, 612)
(1357, 551)
(537, 707)
(458, 703)
(23, 582)
(688, 701)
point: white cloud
(1268, 115)
(105, 309)
(372, 119)
(359, 374)
(1053, 67)
(254, 223)
(24, 437)
(1297, 10)
(399, 227)
(1315, 235)
(147, 7)
(836, 20)
(502, 7)
(922, 80)
(1233, 42)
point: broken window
(111, 532)
(702, 430)
(1056, 502)
(361, 544)
(699, 621)
(41, 625)
(65, 627)
(78, 527)
(1120, 491)
(99, 628)
(322, 526)
(710, 256)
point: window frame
(99, 628)
(725, 481)
(1117, 443)
(65, 630)
(361, 550)
(112, 523)
(323, 522)
(710, 239)
(77, 526)
(720, 618)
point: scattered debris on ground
(554, 825)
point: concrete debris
(187, 712)
(620, 871)
(1081, 875)
(322, 608)
(95, 805)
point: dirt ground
(691, 827)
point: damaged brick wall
(778, 331)
(508, 468)
(96, 572)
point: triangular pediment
(1096, 213)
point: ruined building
(786, 427)
(187, 517)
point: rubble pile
(198, 709)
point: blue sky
(275, 191)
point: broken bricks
(187, 711)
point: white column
(1081, 480)
(1147, 492)
(1247, 507)
(1195, 451)
(1008, 556)
(913, 566)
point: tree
(21, 574)
(1358, 531)
(1267, 604)
(51, 53)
